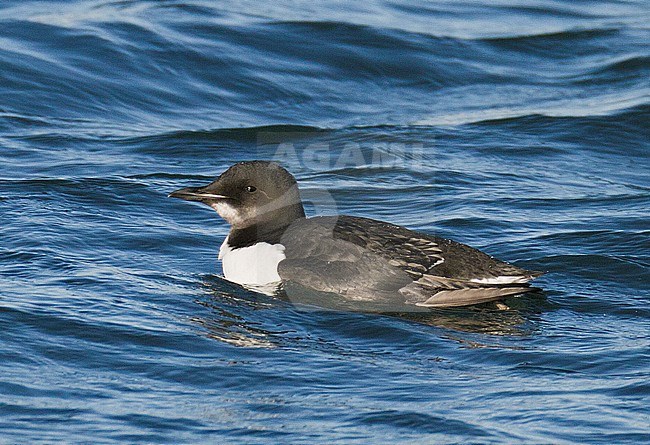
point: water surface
(519, 128)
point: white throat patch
(227, 212)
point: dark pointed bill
(196, 194)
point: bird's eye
(250, 188)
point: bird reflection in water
(232, 317)
(235, 315)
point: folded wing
(365, 259)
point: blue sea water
(518, 127)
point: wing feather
(364, 259)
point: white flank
(505, 279)
(255, 265)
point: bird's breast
(254, 265)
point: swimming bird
(361, 259)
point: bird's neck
(268, 229)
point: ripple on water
(528, 141)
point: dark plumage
(358, 258)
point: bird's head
(250, 193)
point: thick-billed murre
(271, 241)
